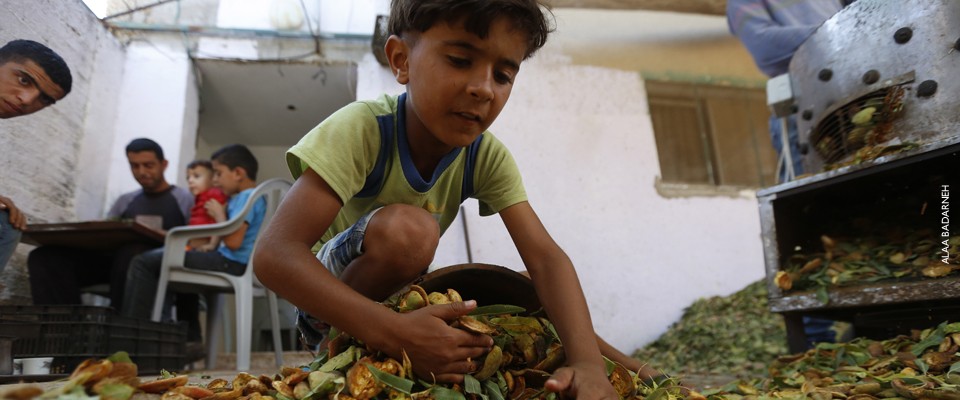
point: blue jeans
(9, 237)
(144, 275)
(336, 254)
(818, 330)
(794, 137)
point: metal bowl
(486, 283)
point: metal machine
(877, 98)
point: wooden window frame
(725, 151)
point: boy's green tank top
(361, 151)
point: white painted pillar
(158, 100)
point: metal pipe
(466, 234)
(233, 32)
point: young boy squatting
(372, 216)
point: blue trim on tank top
(409, 170)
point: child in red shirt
(200, 182)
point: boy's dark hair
(144, 144)
(51, 62)
(476, 15)
(200, 163)
(237, 155)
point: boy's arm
(234, 240)
(562, 297)
(284, 263)
(218, 212)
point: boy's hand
(437, 349)
(17, 219)
(581, 382)
(215, 210)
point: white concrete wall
(583, 139)
(191, 121)
(159, 102)
(356, 17)
(186, 13)
(286, 15)
(99, 128)
(271, 161)
(589, 163)
(48, 159)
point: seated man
(32, 77)
(58, 273)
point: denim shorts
(9, 237)
(336, 254)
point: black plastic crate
(71, 334)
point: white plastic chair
(212, 284)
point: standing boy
(235, 172)
(379, 181)
(772, 30)
(32, 77)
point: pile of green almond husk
(735, 335)
(924, 365)
(865, 259)
(526, 352)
